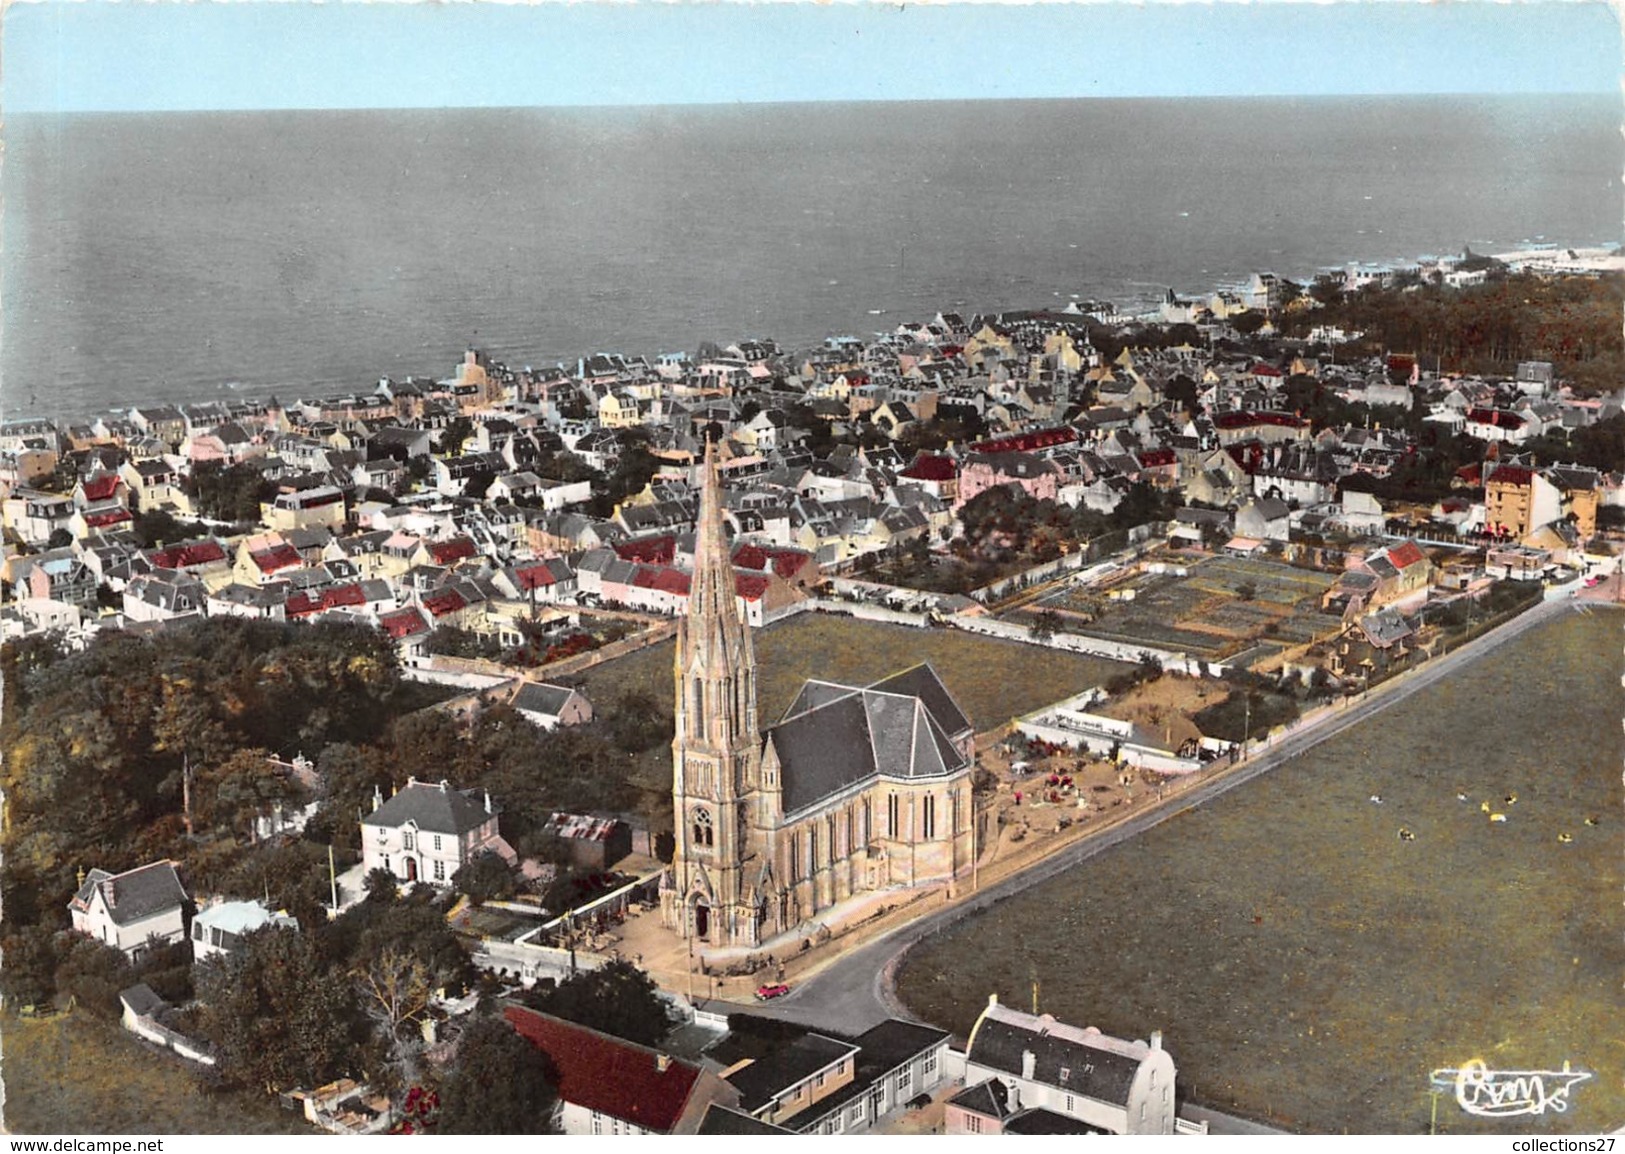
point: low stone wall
(146, 1028)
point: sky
(249, 54)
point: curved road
(854, 991)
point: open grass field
(119, 1085)
(1307, 963)
(993, 680)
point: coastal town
(545, 749)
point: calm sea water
(169, 256)
(1306, 964)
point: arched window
(704, 834)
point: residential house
(1267, 519)
(1109, 1084)
(551, 706)
(592, 843)
(607, 1085)
(427, 832)
(219, 928)
(129, 910)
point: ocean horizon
(173, 257)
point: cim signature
(1509, 1093)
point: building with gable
(427, 832)
(1063, 1079)
(131, 909)
(853, 791)
(607, 1085)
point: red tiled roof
(649, 550)
(533, 577)
(348, 594)
(1512, 475)
(101, 487)
(928, 467)
(750, 586)
(403, 623)
(1263, 370)
(456, 549)
(185, 556)
(105, 517)
(1403, 556)
(444, 601)
(1157, 458)
(597, 1072)
(276, 557)
(1495, 417)
(1027, 442)
(302, 605)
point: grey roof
(721, 1120)
(136, 894)
(835, 736)
(142, 1000)
(435, 808)
(990, 1099)
(1037, 1120)
(1065, 1057)
(785, 1066)
(538, 697)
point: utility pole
(186, 793)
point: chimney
(1156, 1039)
(1029, 1064)
(444, 785)
(662, 1063)
(993, 999)
(377, 798)
(488, 808)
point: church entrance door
(702, 921)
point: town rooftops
(608, 1075)
(132, 895)
(721, 1120)
(540, 697)
(436, 808)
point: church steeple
(714, 751)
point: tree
(617, 998)
(274, 1016)
(483, 878)
(394, 989)
(499, 1084)
(381, 886)
(1045, 625)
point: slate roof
(536, 697)
(835, 736)
(1037, 1120)
(135, 894)
(990, 1099)
(785, 1066)
(721, 1120)
(611, 1076)
(436, 808)
(1079, 1061)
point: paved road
(854, 991)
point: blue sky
(295, 54)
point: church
(854, 790)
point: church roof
(835, 736)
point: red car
(771, 991)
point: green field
(1308, 963)
(992, 680)
(74, 1074)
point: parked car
(771, 990)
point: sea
(187, 256)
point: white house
(1102, 1083)
(219, 928)
(551, 706)
(427, 832)
(128, 910)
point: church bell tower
(715, 751)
